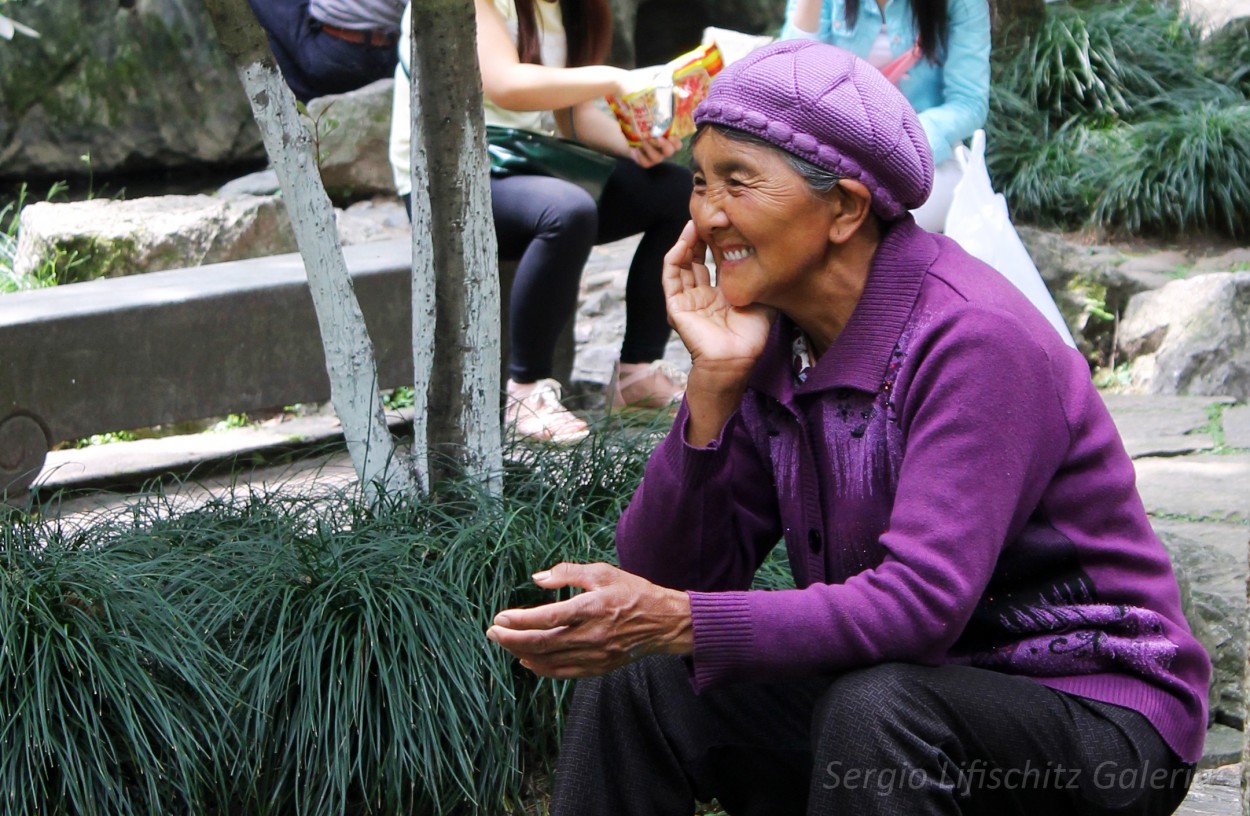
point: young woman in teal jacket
(936, 51)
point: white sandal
(534, 411)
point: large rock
(351, 133)
(143, 84)
(1091, 284)
(133, 84)
(1191, 337)
(108, 239)
(1210, 565)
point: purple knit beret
(827, 106)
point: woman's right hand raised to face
(724, 341)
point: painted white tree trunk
(350, 361)
(454, 245)
(423, 282)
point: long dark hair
(587, 28)
(930, 20)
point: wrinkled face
(767, 230)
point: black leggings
(892, 740)
(549, 227)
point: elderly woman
(983, 622)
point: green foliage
(1120, 116)
(109, 694)
(401, 397)
(1225, 55)
(1046, 179)
(229, 422)
(319, 126)
(106, 438)
(1189, 170)
(273, 653)
(47, 273)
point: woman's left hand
(652, 152)
(618, 619)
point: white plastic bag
(978, 220)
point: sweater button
(813, 540)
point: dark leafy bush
(1104, 61)
(1087, 115)
(1225, 55)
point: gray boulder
(1191, 337)
(351, 133)
(138, 85)
(1091, 284)
(134, 85)
(1211, 568)
(107, 239)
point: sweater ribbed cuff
(722, 635)
(694, 465)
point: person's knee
(870, 705)
(630, 690)
(647, 676)
(574, 214)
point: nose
(707, 212)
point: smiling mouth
(738, 254)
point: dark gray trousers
(894, 739)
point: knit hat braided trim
(828, 107)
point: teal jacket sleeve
(964, 78)
(790, 32)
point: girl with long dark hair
(542, 70)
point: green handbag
(516, 152)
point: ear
(852, 206)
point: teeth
(738, 254)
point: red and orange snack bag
(664, 104)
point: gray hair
(819, 179)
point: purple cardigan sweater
(951, 489)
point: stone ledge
(185, 344)
(128, 463)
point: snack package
(667, 96)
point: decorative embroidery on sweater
(864, 454)
(1040, 615)
(1083, 639)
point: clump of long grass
(362, 671)
(109, 696)
(1225, 55)
(275, 653)
(1121, 116)
(1186, 171)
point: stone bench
(186, 344)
